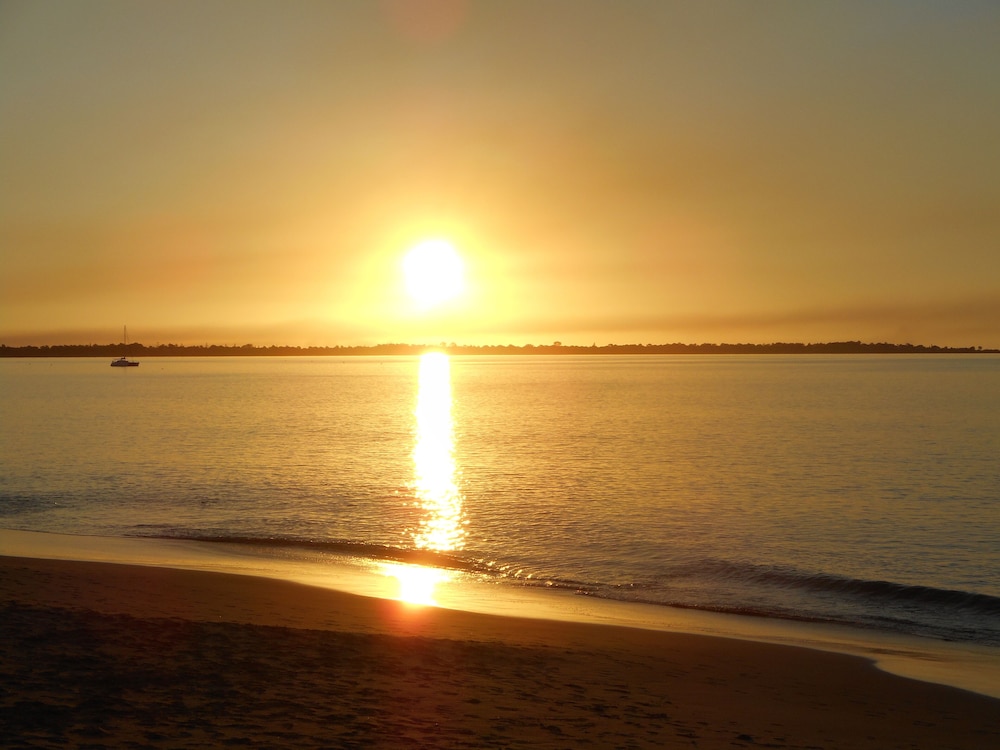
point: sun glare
(416, 583)
(434, 272)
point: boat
(124, 361)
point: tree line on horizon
(250, 350)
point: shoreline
(102, 351)
(111, 654)
(963, 666)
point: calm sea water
(862, 490)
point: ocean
(859, 491)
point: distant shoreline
(249, 350)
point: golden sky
(240, 171)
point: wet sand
(104, 655)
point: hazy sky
(613, 172)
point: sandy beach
(104, 655)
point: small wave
(875, 617)
(885, 591)
(414, 556)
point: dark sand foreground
(98, 655)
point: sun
(434, 272)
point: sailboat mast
(123, 360)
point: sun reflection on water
(441, 525)
(435, 487)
